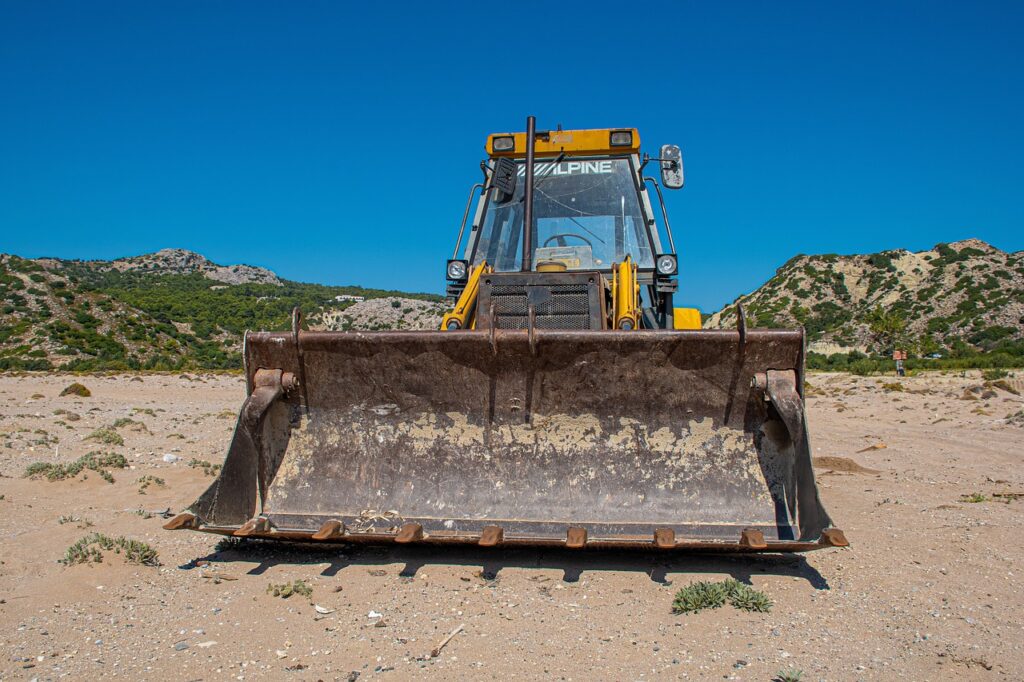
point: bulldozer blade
(690, 440)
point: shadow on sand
(573, 563)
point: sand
(929, 589)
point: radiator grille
(566, 307)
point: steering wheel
(561, 239)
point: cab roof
(571, 142)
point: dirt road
(930, 589)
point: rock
(171, 459)
(181, 646)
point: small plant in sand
(94, 461)
(789, 675)
(91, 547)
(146, 481)
(70, 518)
(107, 436)
(77, 389)
(286, 590)
(229, 544)
(208, 469)
(711, 595)
(1006, 386)
(128, 421)
(994, 374)
(894, 386)
(974, 498)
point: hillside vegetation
(170, 310)
(953, 300)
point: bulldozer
(565, 401)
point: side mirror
(671, 166)
(504, 178)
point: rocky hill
(180, 262)
(170, 310)
(964, 293)
(391, 312)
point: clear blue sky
(336, 142)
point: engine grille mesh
(567, 307)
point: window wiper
(540, 181)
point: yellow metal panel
(625, 295)
(686, 318)
(572, 142)
(464, 313)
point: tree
(887, 328)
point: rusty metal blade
(620, 435)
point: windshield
(586, 216)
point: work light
(666, 264)
(506, 143)
(457, 270)
(621, 138)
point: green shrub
(94, 461)
(146, 481)
(107, 436)
(77, 389)
(711, 595)
(87, 550)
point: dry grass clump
(128, 421)
(208, 469)
(286, 590)
(1006, 386)
(77, 389)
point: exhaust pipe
(531, 124)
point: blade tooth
(576, 537)
(491, 536)
(833, 537)
(255, 526)
(330, 530)
(665, 538)
(752, 538)
(182, 521)
(409, 532)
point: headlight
(621, 138)
(457, 270)
(666, 264)
(506, 143)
